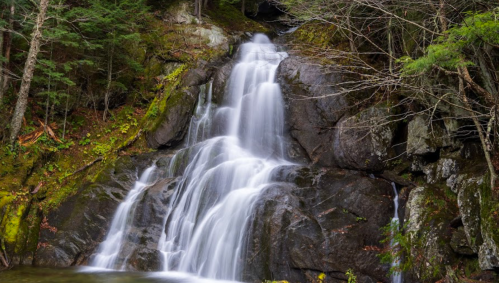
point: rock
(468, 200)
(214, 35)
(147, 227)
(442, 170)
(429, 233)
(315, 221)
(311, 114)
(318, 119)
(488, 254)
(220, 80)
(459, 242)
(195, 77)
(81, 223)
(424, 138)
(174, 119)
(180, 14)
(363, 141)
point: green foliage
(173, 76)
(85, 140)
(351, 278)
(453, 49)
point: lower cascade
(222, 171)
(397, 276)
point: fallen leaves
(32, 138)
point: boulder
(459, 242)
(468, 200)
(429, 231)
(180, 14)
(426, 137)
(311, 112)
(363, 141)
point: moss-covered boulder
(428, 231)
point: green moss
(489, 210)
(11, 222)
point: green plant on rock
(173, 76)
(351, 277)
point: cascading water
(109, 250)
(212, 203)
(223, 170)
(396, 277)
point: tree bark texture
(8, 46)
(29, 68)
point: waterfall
(210, 210)
(229, 154)
(396, 277)
(110, 250)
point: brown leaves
(45, 225)
(37, 188)
(32, 138)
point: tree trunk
(29, 68)
(390, 45)
(481, 135)
(243, 6)
(200, 6)
(8, 47)
(1, 67)
(65, 116)
(109, 82)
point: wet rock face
(147, 227)
(319, 221)
(310, 118)
(321, 124)
(178, 111)
(220, 80)
(82, 222)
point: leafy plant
(351, 276)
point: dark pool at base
(82, 275)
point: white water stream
(396, 277)
(212, 205)
(109, 250)
(227, 167)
